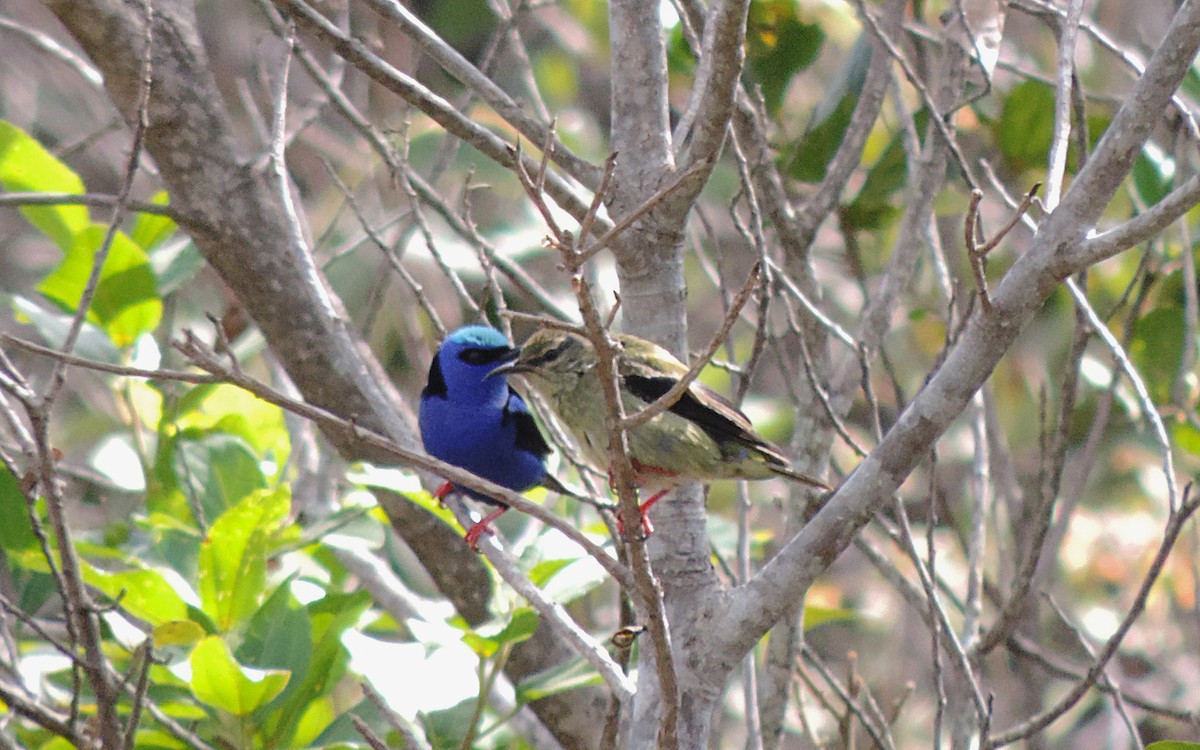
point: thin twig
(1176, 520)
(668, 399)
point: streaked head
(552, 355)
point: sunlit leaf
(177, 633)
(126, 302)
(815, 615)
(151, 229)
(318, 715)
(143, 592)
(26, 166)
(220, 682)
(173, 641)
(233, 557)
(569, 675)
(541, 573)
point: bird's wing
(435, 384)
(704, 407)
(529, 437)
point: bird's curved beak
(510, 364)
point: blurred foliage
(261, 635)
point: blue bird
(480, 423)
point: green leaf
(814, 615)
(25, 165)
(217, 468)
(1026, 126)
(331, 616)
(1153, 174)
(173, 641)
(176, 265)
(157, 739)
(233, 557)
(577, 579)
(1157, 349)
(519, 627)
(53, 326)
(126, 302)
(873, 207)
(279, 635)
(145, 593)
(151, 229)
(1173, 745)
(811, 155)
(177, 633)
(318, 715)
(779, 45)
(541, 573)
(220, 682)
(16, 529)
(1185, 437)
(448, 728)
(570, 675)
(229, 409)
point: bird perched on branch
(701, 437)
(478, 422)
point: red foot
(643, 514)
(441, 492)
(483, 527)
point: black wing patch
(529, 437)
(436, 384)
(720, 420)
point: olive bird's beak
(511, 364)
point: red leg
(441, 492)
(483, 527)
(643, 509)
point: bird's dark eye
(555, 353)
(482, 356)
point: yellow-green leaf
(233, 557)
(126, 302)
(219, 681)
(26, 166)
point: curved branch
(1146, 225)
(713, 92)
(233, 214)
(1056, 253)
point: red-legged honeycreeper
(700, 438)
(476, 421)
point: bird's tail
(799, 476)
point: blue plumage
(478, 422)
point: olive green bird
(700, 438)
